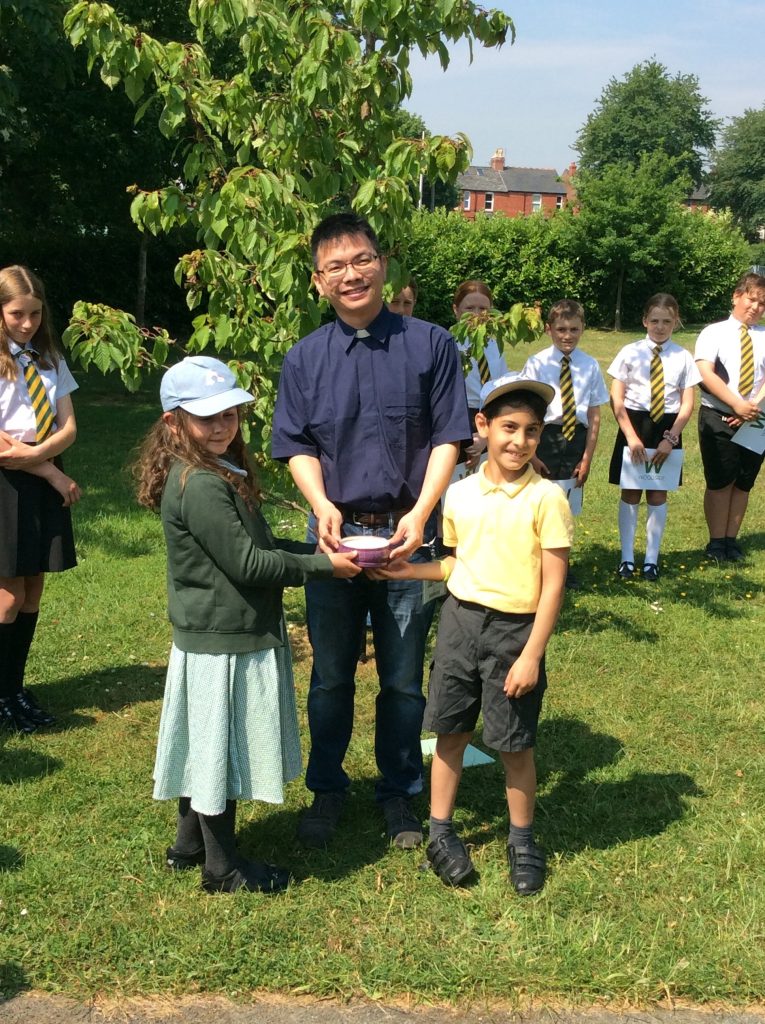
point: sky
(532, 98)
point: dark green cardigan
(225, 570)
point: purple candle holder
(373, 551)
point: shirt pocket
(406, 418)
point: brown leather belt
(358, 518)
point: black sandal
(449, 858)
(527, 868)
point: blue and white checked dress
(228, 729)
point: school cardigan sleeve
(209, 508)
(225, 570)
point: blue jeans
(337, 614)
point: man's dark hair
(520, 399)
(341, 225)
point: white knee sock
(628, 516)
(656, 520)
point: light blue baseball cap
(202, 386)
(515, 382)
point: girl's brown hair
(17, 282)
(467, 288)
(167, 443)
(664, 301)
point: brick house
(513, 191)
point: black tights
(216, 832)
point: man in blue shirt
(369, 416)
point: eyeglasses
(362, 262)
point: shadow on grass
(11, 859)
(20, 765)
(578, 811)
(12, 980)
(108, 690)
(687, 578)
(360, 840)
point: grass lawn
(651, 808)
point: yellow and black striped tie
(746, 373)
(657, 387)
(38, 396)
(567, 399)
(483, 368)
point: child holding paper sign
(652, 400)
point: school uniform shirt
(497, 368)
(17, 417)
(499, 532)
(589, 387)
(632, 366)
(720, 344)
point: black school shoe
(650, 572)
(626, 570)
(175, 861)
(250, 875)
(318, 823)
(527, 868)
(733, 551)
(449, 858)
(13, 717)
(32, 709)
(717, 551)
(403, 826)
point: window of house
(559, 201)
(536, 201)
(488, 203)
(465, 200)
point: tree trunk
(140, 297)
(618, 310)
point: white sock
(655, 521)
(628, 516)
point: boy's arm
(524, 673)
(744, 409)
(400, 569)
(582, 470)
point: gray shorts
(474, 651)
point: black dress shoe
(175, 861)
(12, 717)
(32, 709)
(252, 876)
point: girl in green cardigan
(228, 728)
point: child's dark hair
(19, 282)
(565, 309)
(662, 300)
(411, 284)
(341, 225)
(166, 444)
(520, 399)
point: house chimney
(498, 160)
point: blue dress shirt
(371, 409)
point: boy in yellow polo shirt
(511, 531)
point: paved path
(34, 1008)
